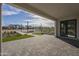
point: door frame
(66, 28)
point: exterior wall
(0, 29)
(78, 28)
(58, 27)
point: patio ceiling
(51, 10)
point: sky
(13, 15)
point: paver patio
(44, 45)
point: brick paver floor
(43, 45)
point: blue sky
(12, 15)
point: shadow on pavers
(73, 41)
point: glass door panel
(71, 28)
(63, 28)
(68, 28)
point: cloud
(5, 13)
(40, 21)
(32, 18)
(44, 22)
(9, 10)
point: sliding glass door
(68, 28)
(63, 29)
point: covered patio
(66, 40)
(66, 16)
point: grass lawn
(16, 37)
(38, 33)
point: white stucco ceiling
(59, 10)
(53, 10)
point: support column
(77, 28)
(0, 28)
(57, 28)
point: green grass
(16, 37)
(38, 33)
